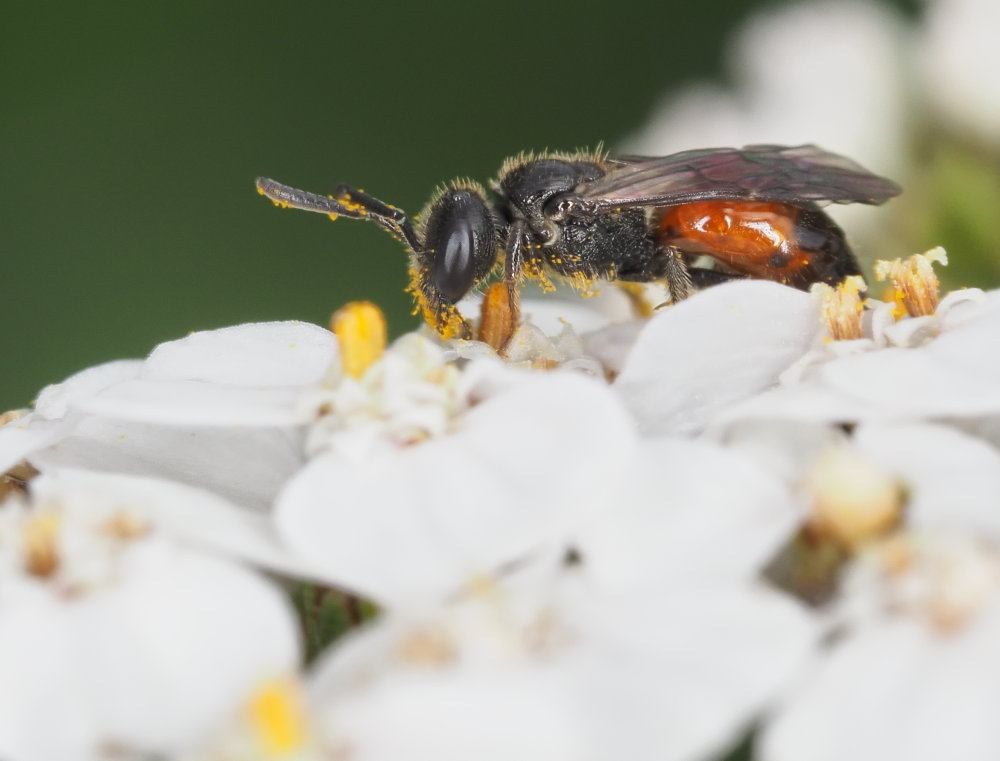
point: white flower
(117, 640)
(681, 519)
(652, 641)
(217, 409)
(549, 667)
(911, 665)
(245, 375)
(561, 329)
(411, 394)
(182, 513)
(952, 479)
(917, 677)
(944, 368)
(273, 723)
(52, 419)
(429, 475)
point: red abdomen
(774, 241)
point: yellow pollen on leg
(533, 270)
(841, 307)
(361, 329)
(277, 716)
(914, 280)
(497, 317)
(449, 323)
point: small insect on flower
(585, 216)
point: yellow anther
(894, 296)
(896, 554)
(361, 329)
(426, 647)
(11, 415)
(40, 535)
(915, 281)
(841, 307)
(125, 526)
(15, 480)
(481, 585)
(497, 316)
(853, 501)
(278, 718)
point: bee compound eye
(461, 240)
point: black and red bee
(587, 216)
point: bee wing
(788, 174)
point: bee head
(459, 241)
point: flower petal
(712, 350)
(682, 676)
(254, 354)
(56, 400)
(898, 690)
(952, 479)
(687, 522)
(183, 513)
(21, 438)
(247, 466)
(242, 375)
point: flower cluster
(759, 519)
(756, 510)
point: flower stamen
(853, 501)
(427, 647)
(40, 535)
(361, 329)
(278, 718)
(841, 307)
(11, 415)
(944, 581)
(915, 284)
(15, 480)
(124, 526)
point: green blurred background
(130, 135)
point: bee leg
(675, 271)
(500, 313)
(664, 263)
(515, 252)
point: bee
(586, 216)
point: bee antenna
(345, 202)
